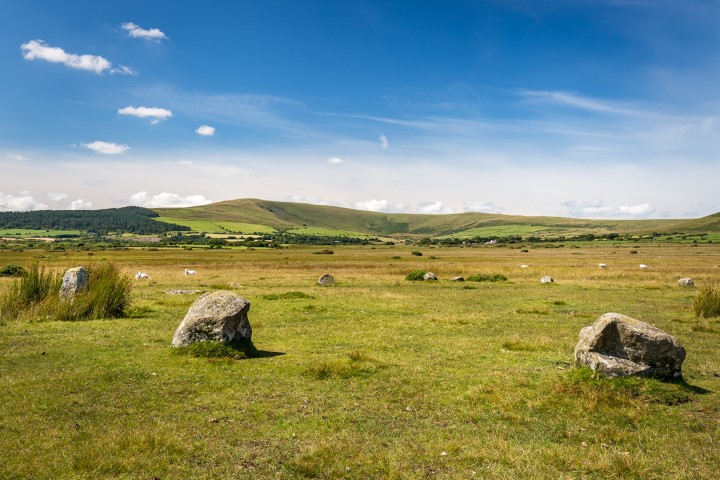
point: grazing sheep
(602, 265)
(190, 272)
(141, 275)
(643, 266)
(523, 266)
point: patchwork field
(376, 377)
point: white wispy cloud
(57, 196)
(167, 200)
(380, 206)
(312, 200)
(335, 160)
(80, 204)
(155, 113)
(384, 142)
(482, 207)
(136, 31)
(597, 208)
(23, 202)
(574, 100)
(434, 208)
(39, 50)
(106, 148)
(205, 130)
(15, 157)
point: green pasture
(499, 231)
(217, 226)
(328, 232)
(374, 378)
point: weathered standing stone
(430, 276)
(686, 282)
(326, 280)
(547, 279)
(619, 346)
(74, 281)
(215, 316)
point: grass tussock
(286, 296)
(707, 302)
(35, 296)
(584, 383)
(355, 364)
(237, 350)
(487, 277)
(415, 275)
(521, 346)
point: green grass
(237, 350)
(500, 231)
(328, 232)
(376, 378)
(210, 226)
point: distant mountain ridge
(298, 217)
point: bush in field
(12, 271)
(415, 275)
(416, 253)
(486, 277)
(35, 296)
(707, 302)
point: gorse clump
(12, 271)
(707, 302)
(35, 296)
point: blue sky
(595, 109)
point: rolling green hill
(252, 215)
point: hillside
(252, 215)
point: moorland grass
(34, 296)
(706, 303)
(487, 277)
(377, 378)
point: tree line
(126, 219)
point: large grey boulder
(74, 281)
(430, 276)
(215, 316)
(619, 346)
(547, 279)
(686, 282)
(326, 280)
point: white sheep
(643, 266)
(523, 266)
(602, 265)
(190, 272)
(141, 275)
